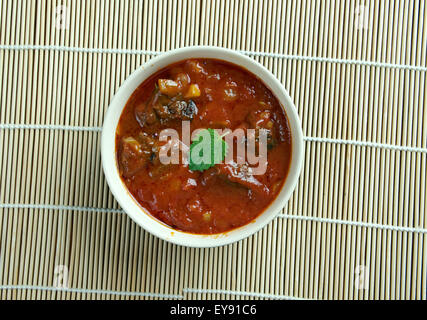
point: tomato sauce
(210, 94)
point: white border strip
(8, 126)
(249, 53)
(93, 291)
(150, 294)
(241, 293)
(285, 216)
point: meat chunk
(144, 115)
(242, 175)
(262, 120)
(136, 153)
(145, 112)
(190, 110)
(175, 108)
(168, 102)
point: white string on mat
(366, 144)
(336, 60)
(58, 207)
(354, 223)
(286, 216)
(92, 291)
(241, 293)
(249, 53)
(78, 49)
(10, 126)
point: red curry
(210, 94)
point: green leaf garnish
(207, 150)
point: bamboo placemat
(355, 227)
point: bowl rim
(141, 215)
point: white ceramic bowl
(139, 214)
